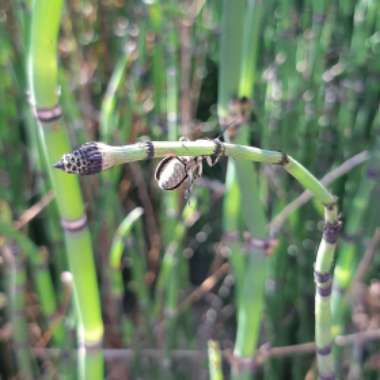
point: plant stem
(17, 288)
(41, 276)
(116, 155)
(44, 98)
(215, 360)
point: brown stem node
(331, 231)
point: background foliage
(132, 70)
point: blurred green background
(167, 282)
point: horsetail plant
(115, 258)
(41, 277)
(241, 22)
(16, 290)
(348, 252)
(311, 70)
(44, 99)
(215, 360)
(95, 157)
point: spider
(173, 171)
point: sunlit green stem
(44, 92)
(215, 360)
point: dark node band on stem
(324, 351)
(323, 281)
(329, 376)
(333, 204)
(149, 149)
(372, 173)
(48, 115)
(331, 231)
(265, 245)
(74, 225)
(322, 277)
(284, 159)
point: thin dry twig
(276, 224)
(33, 211)
(363, 336)
(365, 261)
(265, 352)
(204, 287)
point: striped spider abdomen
(171, 172)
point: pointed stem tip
(59, 165)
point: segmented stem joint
(47, 114)
(74, 225)
(323, 283)
(149, 149)
(331, 231)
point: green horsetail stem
(215, 360)
(239, 42)
(41, 276)
(94, 157)
(17, 283)
(43, 83)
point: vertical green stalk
(215, 360)
(322, 275)
(117, 249)
(156, 19)
(41, 277)
(252, 28)
(239, 48)
(349, 251)
(44, 97)
(17, 287)
(322, 267)
(115, 260)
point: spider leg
(218, 153)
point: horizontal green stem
(117, 155)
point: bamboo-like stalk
(44, 98)
(215, 360)
(17, 288)
(115, 257)
(42, 279)
(100, 156)
(238, 74)
(156, 23)
(348, 253)
(107, 108)
(171, 280)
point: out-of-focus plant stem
(41, 277)
(17, 288)
(241, 22)
(215, 360)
